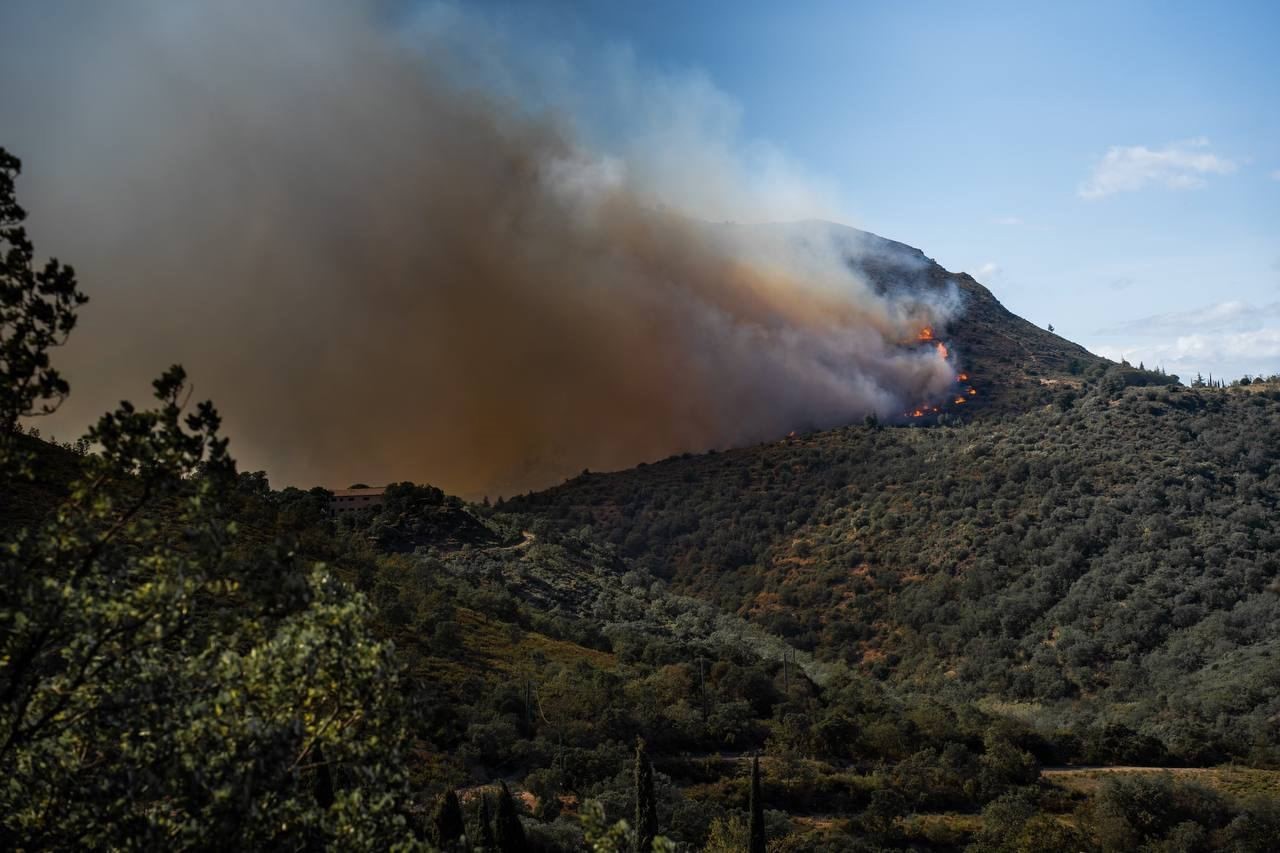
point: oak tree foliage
(161, 684)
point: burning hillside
(961, 391)
(1018, 363)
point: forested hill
(1112, 556)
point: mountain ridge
(1008, 359)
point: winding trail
(528, 539)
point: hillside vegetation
(1110, 558)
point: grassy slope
(1239, 783)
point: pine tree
(37, 312)
(449, 825)
(508, 833)
(646, 801)
(756, 843)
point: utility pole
(702, 686)
(528, 707)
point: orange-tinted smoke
(379, 275)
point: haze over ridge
(380, 271)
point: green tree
(880, 815)
(1004, 764)
(1257, 826)
(161, 683)
(545, 784)
(646, 801)
(1014, 824)
(448, 821)
(507, 831)
(1132, 812)
(756, 834)
(618, 837)
(727, 835)
(484, 834)
(37, 313)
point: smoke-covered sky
(403, 243)
(1094, 163)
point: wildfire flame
(926, 335)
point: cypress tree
(507, 831)
(449, 825)
(324, 781)
(646, 801)
(486, 839)
(756, 843)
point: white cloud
(1275, 176)
(988, 270)
(1259, 344)
(1228, 356)
(1007, 220)
(1178, 166)
(1227, 339)
(1232, 315)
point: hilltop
(1011, 363)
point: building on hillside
(353, 500)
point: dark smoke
(380, 272)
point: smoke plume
(384, 263)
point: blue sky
(1110, 168)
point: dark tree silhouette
(485, 835)
(37, 312)
(756, 844)
(508, 833)
(449, 825)
(646, 801)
